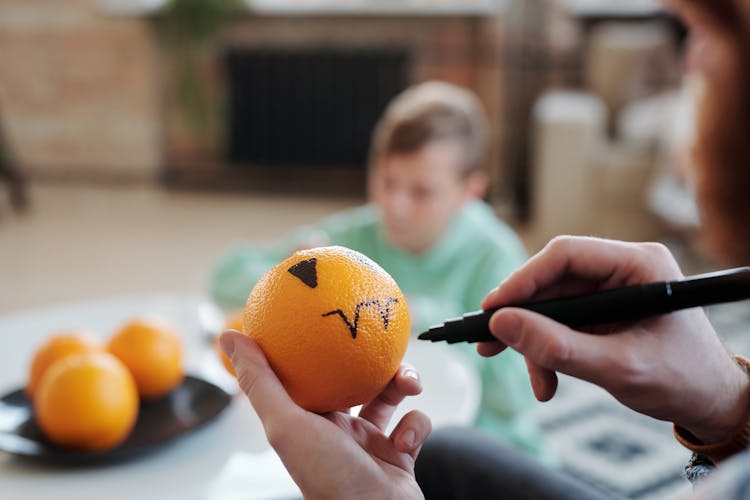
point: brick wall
(77, 90)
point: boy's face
(419, 193)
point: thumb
(553, 346)
(256, 378)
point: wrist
(729, 431)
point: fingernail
(410, 438)
(506, 326)
(411, 373)
(227, 344)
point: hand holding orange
(333, 325)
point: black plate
(192, 404)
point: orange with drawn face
(333, 325)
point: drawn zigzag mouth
(384, 309)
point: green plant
(188, 28)
(197, 21)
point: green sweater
(474, 255)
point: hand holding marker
(618, 305)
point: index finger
(573, 265)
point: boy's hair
(429, 112)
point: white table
(185, 468)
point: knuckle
(658, 250)
(631, 364)
(659, 254)
(560, 243)
(550, 351)
(554, 354)
(390, 397)
(630, 369)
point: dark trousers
(463, 463)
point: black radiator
(300, 107)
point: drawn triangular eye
(306, 271)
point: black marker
(618, 305)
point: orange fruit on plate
(152, 351)
(234, 322)
(333, 324)
(56, 347)
(87, 401)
